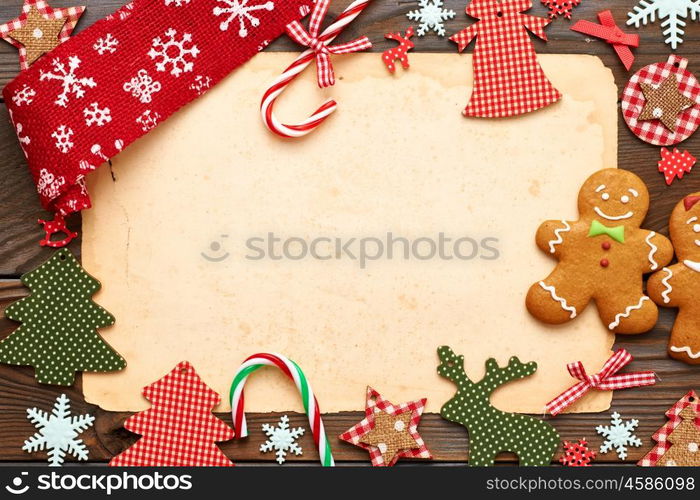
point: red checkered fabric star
(577, 454)
(633, 101)
(376, 403)
(675, 164)
(508, 79)
(605, 380)
(179, 430)
(70, 14)
(611, 33)
(661, 436)
(319, 44)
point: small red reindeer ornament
(400, 52)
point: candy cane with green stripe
(291, 370)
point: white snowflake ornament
(282, 439)
(431, 16)
(618, 435)
(672, 11)
(58, 432)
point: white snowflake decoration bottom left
(282, 439)
(58, 432)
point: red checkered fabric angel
(70, 14)
(661, 436)
(179, 430)
(653, 131)
(375, 402)
(102, 89)
(508, 79)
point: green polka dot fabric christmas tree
(492, 431)
(59, 321)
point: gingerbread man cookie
(602, 256)
(679, 285)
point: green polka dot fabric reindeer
(492, 431)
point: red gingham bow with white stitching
(319, 44)
(604, 380)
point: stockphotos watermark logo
(100, 483)
(363, 250)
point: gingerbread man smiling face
(679, 285)
(621, 198)
(602, 256)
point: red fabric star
(70, 14)
(375, 403)
(577, 454)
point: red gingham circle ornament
(633, 100)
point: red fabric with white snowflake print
(179, 430)
(104, 88)
(508, 79)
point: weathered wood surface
(19, 253)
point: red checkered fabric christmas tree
(677, 415)
(180, 430)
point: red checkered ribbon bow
(612, 34)
(604, 380)
(319, 43)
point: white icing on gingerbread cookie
(562, 301)
(652, 250)
(687, 350)
(557, 232)
(667, 286)
(691, 264)
(627, 312)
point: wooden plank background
(19, 253)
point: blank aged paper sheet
(199, 240)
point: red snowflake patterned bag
(96, 93)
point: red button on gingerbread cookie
(679, 285)
(602, 256)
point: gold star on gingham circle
(664, 102)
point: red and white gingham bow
(604, 380)
(319, 44)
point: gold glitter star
(664, 103)
(39, 35)
(390, 434)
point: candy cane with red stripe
(299, 65)
(294, 372)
